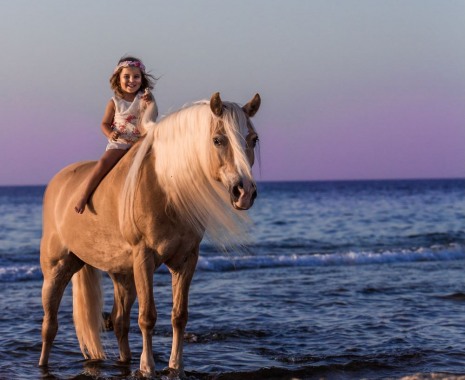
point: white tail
(87, 311)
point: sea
(340, 280)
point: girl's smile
(130, 80)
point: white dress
(126, 121)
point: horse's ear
(252, 107)
(216, 104)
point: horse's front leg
(181, 280)
(144, 267)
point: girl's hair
(148, 80)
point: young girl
(121, 122)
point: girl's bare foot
(80, 206)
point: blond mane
(181, 145)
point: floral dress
(126, 122)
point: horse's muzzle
(243, 195)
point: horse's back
(61, 192)
(71, 175)
(64, 185)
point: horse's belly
(104, 255)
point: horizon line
(310, 180)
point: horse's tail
(87, 311)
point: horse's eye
(253, 142)
(217, 141)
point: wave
(234, 262)
(238, 262)
(20, 273)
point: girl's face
(130, 80)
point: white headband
(137, 64)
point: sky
(351, 89)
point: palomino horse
(190, 175)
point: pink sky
(351, 89)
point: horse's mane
(182, 148)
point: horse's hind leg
(124, 297)
(57, 274)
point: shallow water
(344, 281)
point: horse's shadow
(98, 370)
(95, 370)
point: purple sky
(350, 89)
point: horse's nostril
(236, 192)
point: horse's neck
(151, 213)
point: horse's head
(234, 139)
(203, 156)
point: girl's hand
(114, 135)
(147, 96)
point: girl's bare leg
(103, 166)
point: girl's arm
(148, 112)
(107, 120)
(149, 108)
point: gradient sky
(351, 89)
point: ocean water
(341, 280)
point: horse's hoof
(173, 374)
(144, 374)
(124, 360)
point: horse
(189, 177)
